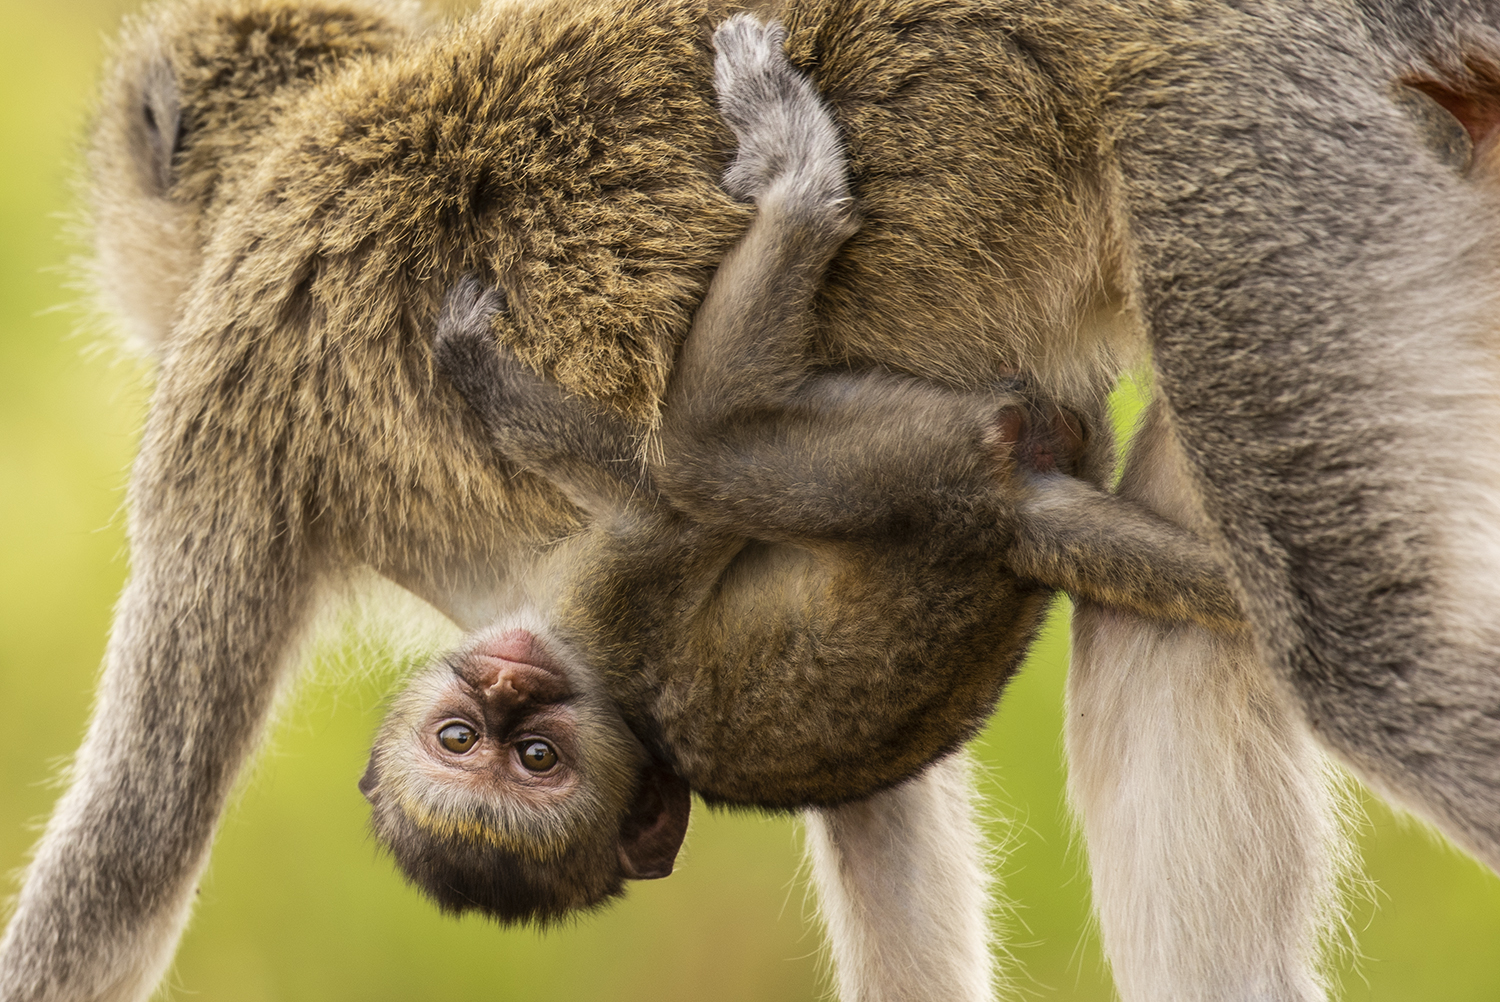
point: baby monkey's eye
(537, 756)
(457, 738)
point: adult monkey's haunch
(1316, 283)
(1321, 294)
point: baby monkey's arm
(588, 452)
(1096, 545)
(758, 443)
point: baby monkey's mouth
(515, 662)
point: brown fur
(568, 153)
(811, 595)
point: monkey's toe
(784, 130)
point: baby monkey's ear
(656, 825)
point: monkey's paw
(465, 348)
(786, 133)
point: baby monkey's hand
(465, 348)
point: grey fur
(776, 114)
(845, 543)
(1319, 387)
(1328, 414)
(1233, 178)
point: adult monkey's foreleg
(218, 584)
(903, 889)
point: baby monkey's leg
(791, 164)
(901, 876)
(752, 439)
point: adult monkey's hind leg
(904, 890)
(1213, 834)
(1332, 378)
(901, 879)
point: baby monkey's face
(505, 780)
(504, 722)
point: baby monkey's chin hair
(514, 877)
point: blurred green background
(297, 903)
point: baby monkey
(819, 587)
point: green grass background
(297, 903)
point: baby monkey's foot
(788, 143)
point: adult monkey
(1092, 113)
(1359, 535)
(302, 339)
